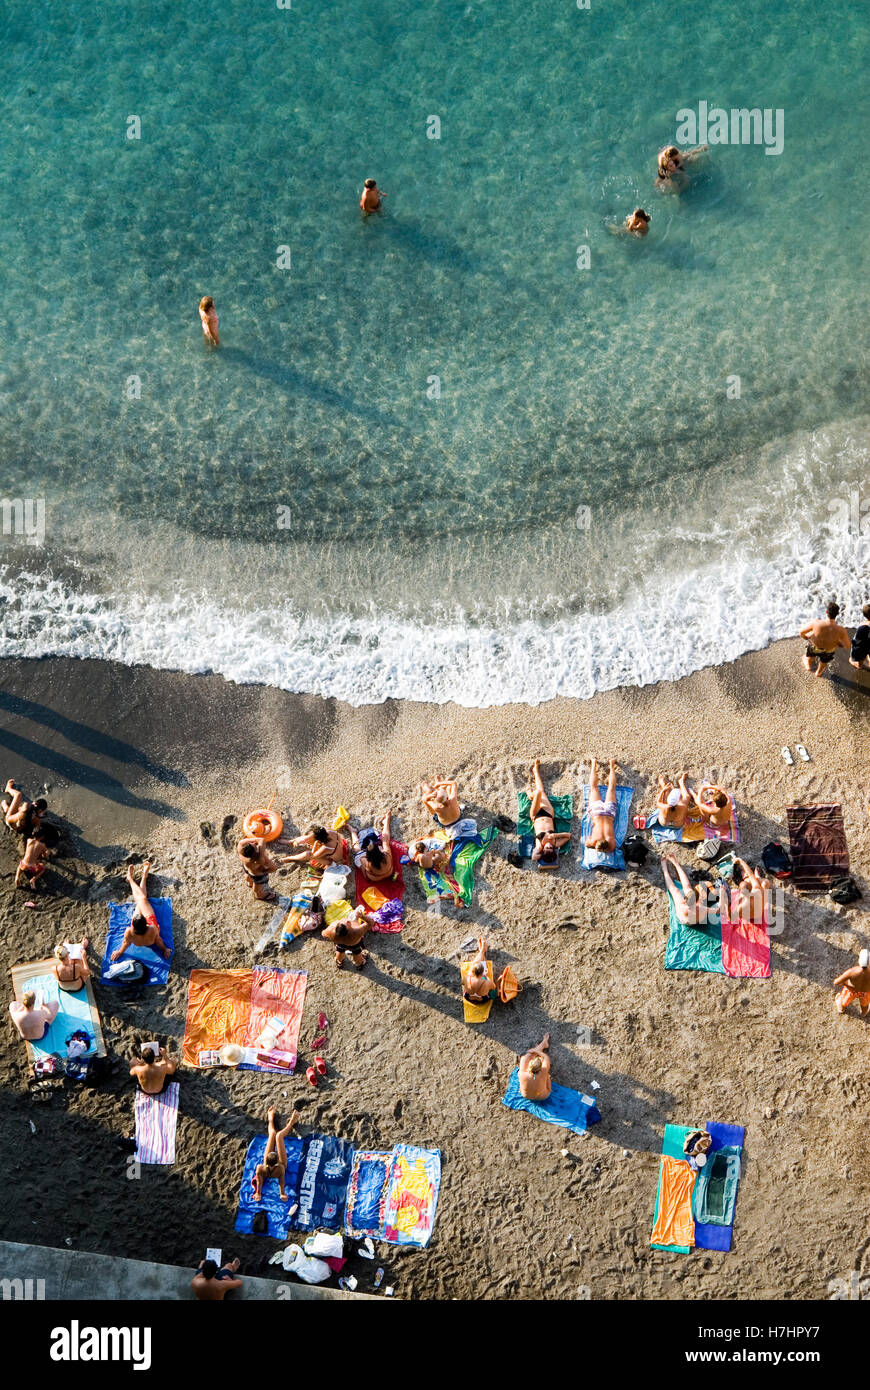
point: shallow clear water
(431, 547)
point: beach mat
(566, 1108)
(365, 1213)
(693, 948)
(819, 853)
(77, 1010)
(475, 1013)
(156, 1120)
(673, 1223)
(746, 950)
(457, 878)
(157, 968)
(233, 1006)
(412, 1195)
(392, 889)
(324, 1175)
(615, 859)
(277, 1211)
(716, 1236)
(563, 815)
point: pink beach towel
(156, 1123)
(746, 950)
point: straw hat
(232, 1054)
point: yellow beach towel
(475, 1013)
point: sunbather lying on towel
(71, 971)
(372, 854)
(347, 937)
(441, 802)
(143, 929)
(713, 804)
(751, 901)
(478, 985)
(547, 842)
(153, 1070)
(534, 1077)
(674, 801)
(854, 986)
(31, 1019)
(317, 847)
(258, 864)
(21, 815)
(602, 837)
(274, 1163)
(32, 865)
(694, 904)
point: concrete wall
(75, 1274)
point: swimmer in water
(370, 200)
(208, 315)
(636, 224)
(672, 163)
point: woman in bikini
(373, 855)
(319, 848)
(603, 813)
(751, 897)
(21, 815)
(674, 801)
(691, 901)
(547, 841)
(274, 1163)
(714, 805)
(478, 986)
(71, 972)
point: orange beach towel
(233, 1006)
(675, 1224)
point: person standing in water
(209, 319)
(636, 224)
(823, 638)
(370, 199)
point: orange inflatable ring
(264, 825)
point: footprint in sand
(226, 826)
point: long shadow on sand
(92, 779)
(94, 740)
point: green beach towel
(693, 948)
(563, 814)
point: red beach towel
(746, 950)
(393, 889)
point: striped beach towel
(818, 845)
(156, 1123)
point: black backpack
(635, 849)
(776, 860)
(845, 891)
(260, 1224)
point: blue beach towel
(592, 859)
(74, 1013)
(710, 1237)
(323, 1179)
(366, 1194)
(564, 1107)
(276, 1210)
(120, 917)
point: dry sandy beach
(137, 759)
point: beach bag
(844, 891)
(48, 1066)
(325, 1244)
(508, 985)
(635, 849)
(776, 860)
(260, 1224)
(710, 850)
(304, 1267)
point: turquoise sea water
(431, 548)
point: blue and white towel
(615, 859)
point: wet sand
(137, 761)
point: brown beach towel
(818, 845)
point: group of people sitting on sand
(25, 819)
(676, 799)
